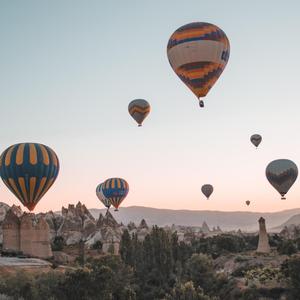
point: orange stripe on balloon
(40, 189)
(118, 183)
(32, 154)
(8, 156)
(20, 154)
(139, 110)
(47, 187)
(12, 185)
(190, 33)
(54, 158)
(23, 188)
(46, 160)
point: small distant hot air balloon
(282, 173)
(256, 139)
(198, 53)
(248, 202)
(139, 110)
(29, 170)
(207, 190)
(101, 197)
(115, 190)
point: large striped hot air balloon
(139, 110)
(29, 170)
(115, 190)
(198, 53)
(101, 197)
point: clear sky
(68, 70)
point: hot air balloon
(139, 110)
(198, 53)
(115, 190)
(29, 170)
(282, 173)
(101, 197)
(255, 139)
(248, 202)
(207, 190)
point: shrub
(97, 245)
(58, 243)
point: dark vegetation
(161, 267)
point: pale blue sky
(68, 70)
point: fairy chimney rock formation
(11, 231)
(100, 221)
(27, 233)
(35, 236)
(110, 221)
(263, 242)
(205, 228)
(143, 225)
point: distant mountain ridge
(294, 220)
(226, 220)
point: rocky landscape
(75, 224)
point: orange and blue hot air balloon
(29, 170)
(115, 190)
(198, 53)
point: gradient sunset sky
(68, 70)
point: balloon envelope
(101, 197)
(29, 170)
(115, 190)
(256, 139)
(282, 173)
(207, 190)
(139, 110)
(248, 202)
(198, 53)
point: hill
(294, 220)
(231, 220)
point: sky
(68, 70)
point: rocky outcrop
(205, 228)
(54, 221)
(109, 232)
(131, 226)
(142, 230)
(28, 233)
(35, 236)
(11, 231)
(263, 242)
(3, 210)
(77, 224)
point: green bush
(97, 245)
(58, 243)
(287, 247)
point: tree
(97, 245)
(291, 269)
(126, 250)
(287, 247)
(199, 269)
(58, 243)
